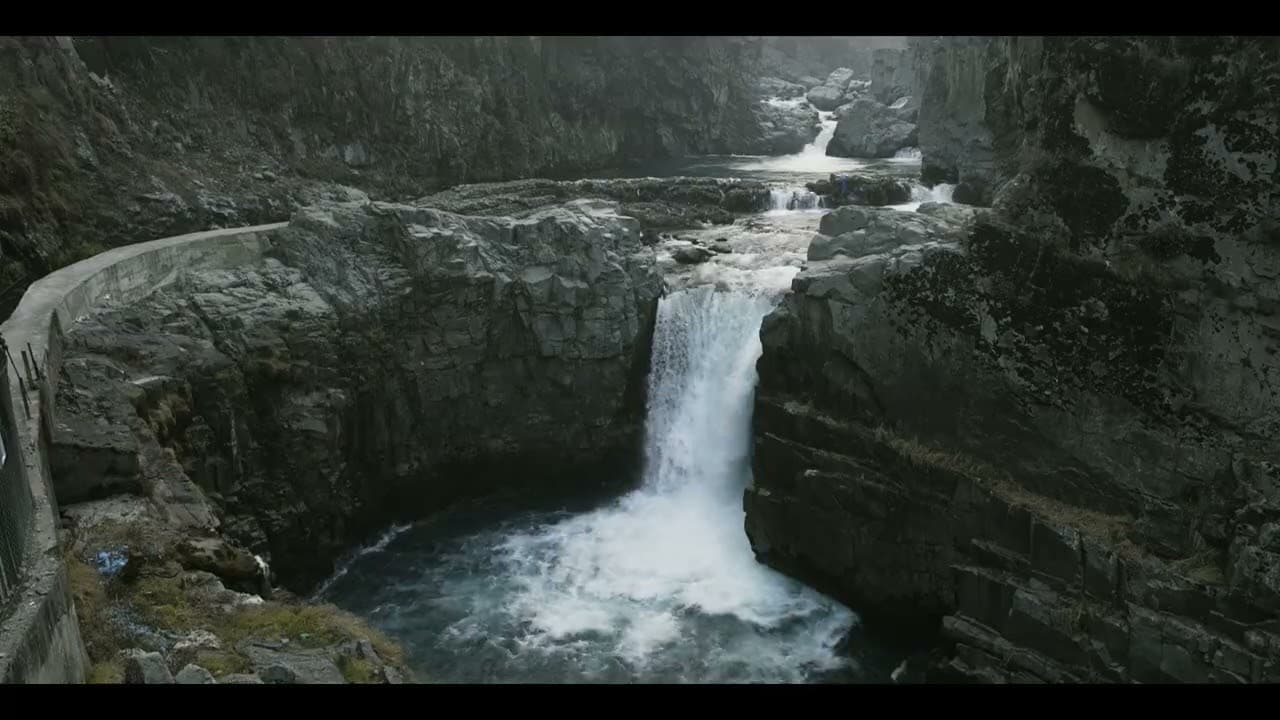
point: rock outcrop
(1051, 428)
(355, 378)
(851, 189)
(785, 127)
(657, 203)
(893, 74)
(106, 141)
(965, 119)
(796, 58)
(830, 94)
(867, 128)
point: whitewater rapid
(659, 585)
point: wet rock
(855, 189)
(692, 255)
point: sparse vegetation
(159, 598)
(357, 670)
(1110, 529)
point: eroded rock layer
(1054, 425)
(384, 361)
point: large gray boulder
(194, 675)
(785, 127)
(839, 77)
(866, 128)
(145, 668)
(825, 97)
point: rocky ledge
(657, 203)
(856, 189)
(350, 380)
(1054, 435)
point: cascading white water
(940, 193)
(660, 585)
(910, 154)
(647, 572)
(793, 198)
(812, 158)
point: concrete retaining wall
(39, 634)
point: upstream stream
(659, 585)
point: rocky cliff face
(1053, 425)
(106, 141)
(388, 359)
(806, 60)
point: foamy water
(661, 584)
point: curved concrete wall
(39, 634)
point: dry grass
(923, 456)
(107, 672)
(89, 593)
(158, 598)
(307, 625)
(1204, 567)
(1110, 529)
(357, 670)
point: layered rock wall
(1057, 429)
(106, 141)
(384, 361)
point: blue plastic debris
(110, 562)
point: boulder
(215, 555)
(191, 645)
(276, 664)
(194, 675)
(856, 189)
(825, 97)
(692, 255)
(855, 232)
(145, 668)
(856, 89)
(785, 127)
(870, 129)
(839, 77)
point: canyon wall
(1055, 426)
(106, 141)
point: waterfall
(651, 572)
(659, 585)
(700, 390)
(793, 198)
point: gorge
(958, 364)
